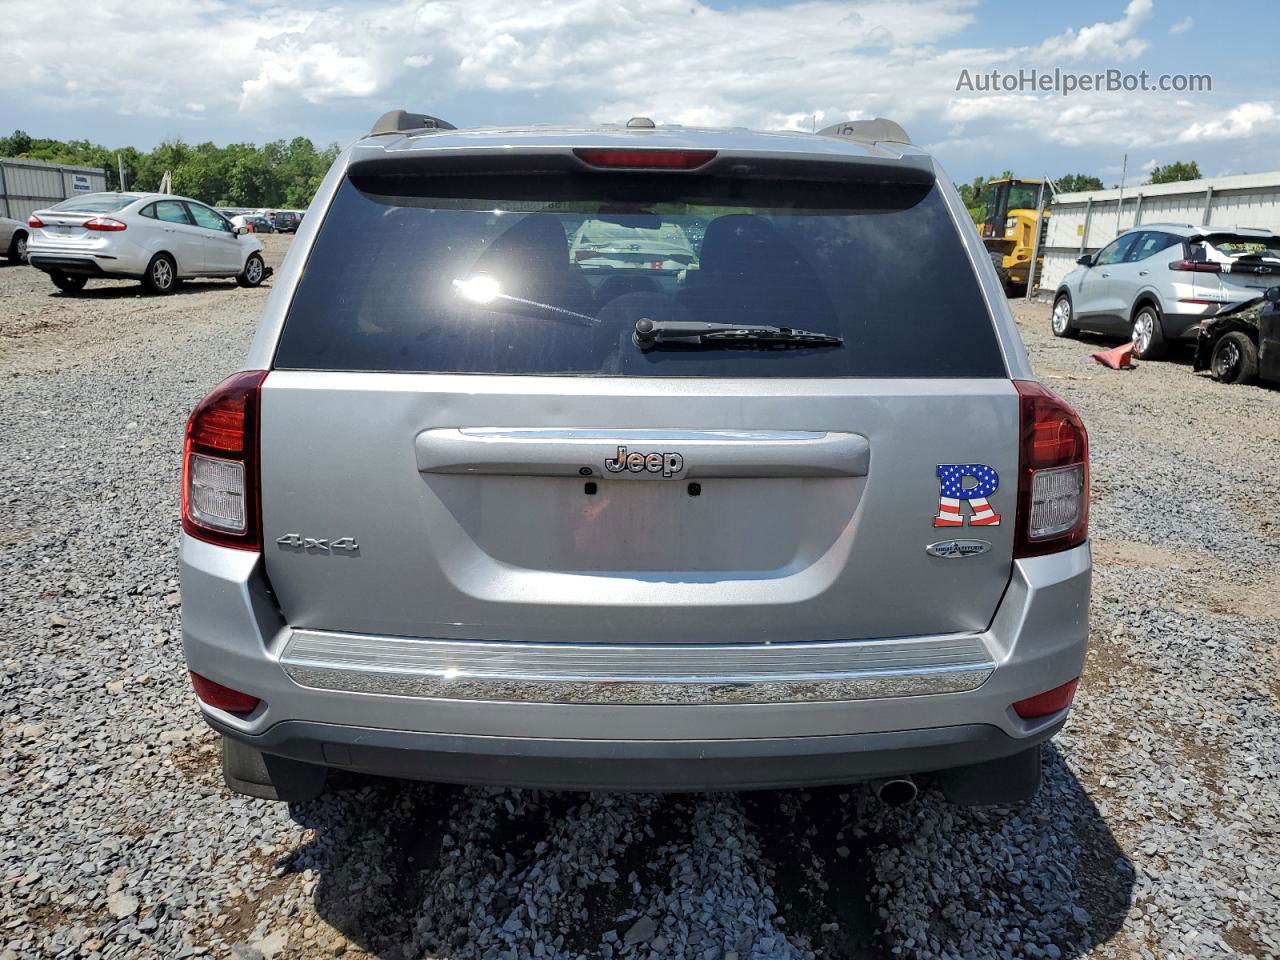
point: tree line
(276, 174)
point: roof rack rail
(401, 121)
(867, 131)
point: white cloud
(600, 60)
(1183, 25)
(1246, 120)
(1106, 40)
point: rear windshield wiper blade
(650, 333)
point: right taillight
(220, 465)
(34, 222)
(1053, 474)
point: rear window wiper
(698, 333)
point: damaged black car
(1242, 343)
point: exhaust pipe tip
(895, 791)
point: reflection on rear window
(548, 274)
(94, 203)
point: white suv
(153, 237)
(1155, 284)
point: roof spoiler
(401, 121)
(878, 130)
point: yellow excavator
(1011, 216)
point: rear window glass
(94, 203)
(1243, 246)
(549, 273)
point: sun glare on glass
(478, 289)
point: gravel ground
(1155, 834)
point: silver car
(13, 240)
(1156, 283)
(153, 237)
(797, 514)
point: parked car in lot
(284, 221)
(13, 240)
(1242, 343)
(156, 238)
(1156, 283)
(798, 514)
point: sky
(135, 72)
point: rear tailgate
(443, 536)
(453, 458)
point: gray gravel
(1155, 835)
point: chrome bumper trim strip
(638, 675)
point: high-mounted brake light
(632, 159)
(106, 224)
(220, 502)
(1048, 703)
(1053, 474)
(34, 222)
(1196, 266)
(223, 698)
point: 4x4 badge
(952, 478)
(298, 542)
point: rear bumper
(616, 728)
(82, 265)
(564, 764)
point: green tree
(277, 174)
(1077, 182)
(1175, 172)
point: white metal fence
(1086, 222)
(27, 185)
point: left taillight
(220, 489)
(105, 224)
(34, 222)
(1053, 474)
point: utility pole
(1124, 168)
(1042, 224)
(120, 167)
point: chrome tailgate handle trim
(640, 675)
(549, 452)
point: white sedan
(13, 240)
(153, 237)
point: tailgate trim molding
(660, 674)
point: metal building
(27, 185)
(1086, 222)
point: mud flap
(256, 774)
(1011, 779)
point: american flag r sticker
(952, 478)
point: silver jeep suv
(777, 503)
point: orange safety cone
(1121, 358)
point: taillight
(1053, 474)
(106, 224)
(1048, 703)
(220, 502)
(34, 222)
(632, 159)
(1196, 266)
(223, 698)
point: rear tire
(256, 774)
(1234, 359)
(254, 272)
(1148, 336)
(997, 261)
(1060, 321)
(68, 282)
(1011, 779)
(17, 248)
(162, 275)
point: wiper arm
(650, 333)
